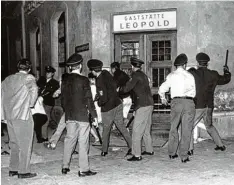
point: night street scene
(117, 92)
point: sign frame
(82, 48)
(140, 12)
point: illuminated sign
(145, 21)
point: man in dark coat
(47, 86)
(110, 103)
(206, 81)
(77, 101)
(121, 78)
(143, 106)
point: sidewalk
(207, 167)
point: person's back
(206, 81)
(17, 95)
(74, 97)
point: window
(128, 50)
(61, 39)
(161, 50)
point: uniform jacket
(106, 91)
(19, 93)
(206, 80)
(121, 78)
(139, 84)
(47, 89)
(76, 97)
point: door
(127, 46)
(161, 52)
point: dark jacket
(139, 84)
(47, 89)
(206, 80)
(106, 91)
(121, 78)
(76, 97)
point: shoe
(26, 175)
(104, 154)
(147, 153)
(13, 173)
(129, 152)
(65, 170)
(5, 153)
(75, 152)
(185, 160)
(41, 140)
(87, 173)
(190, 152)
(221, 148)
(173, 156)
(134, 158)
(49, 145)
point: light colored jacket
(19, 93)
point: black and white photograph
(117, 92)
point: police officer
(47, 86)
(143, 106)
(206, 82)
(121, 78)
(182, 86)
(76, 99)
(110, 103)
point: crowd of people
(101, 100)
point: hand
(164, 101)
(57, 93)
(96, 97)
(95, 122)
(225, 69)
(118, 89)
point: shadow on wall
(224, 100)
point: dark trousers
(108, 119)
(39, 121)
(182, 113)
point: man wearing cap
(110, 103)
(182, 87)
(121, 78)
(143, 106)
(206, 82)
(77, 102)
(47, 86)
(19, 94)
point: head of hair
(24, 65)
(115, 65)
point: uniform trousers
(77, 130)
(206, 114)
(39, 121)
(21, 137)
(182, 114)
(110, 117)
(141, 129)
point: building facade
(154, 31)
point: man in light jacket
(19, 94)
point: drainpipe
(23, 29)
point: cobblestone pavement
(207, 167)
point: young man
(77, 102)
(19, 94)
(110, 103)
(182, 87)
(143, 106)
(47, 86)
(121, 78)
(206, 82)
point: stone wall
(78, 27)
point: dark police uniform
(143, 105)
(77, 101)
(46, 90)
(110, 103)
(206, 81)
